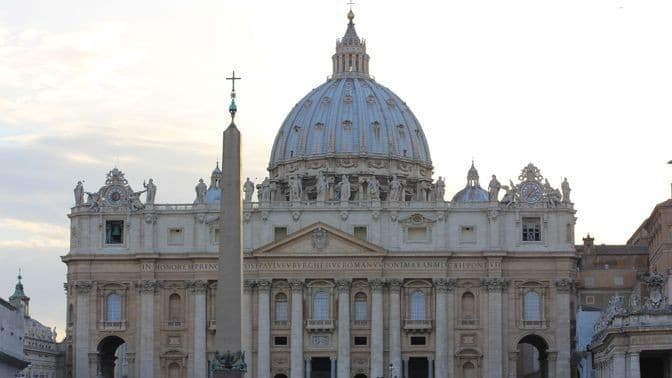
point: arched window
(532, 307)
(468, 306)
(281, 307)
(113, 308)
(361, 307)
(468, 370)
(418, 305)
(321, 305)
(174, 307)
(174, 370)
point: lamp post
(392, 369)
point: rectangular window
(175, 236)
(114, 232)
(280, 340)
(279, 233)
(590, 299)
(214, 236)
(361, 310)
(418, 340)
(417, 234)
(531, 229)
(360, 340)
(360, 232)
(281, 311)
(467, 234)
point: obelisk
(229, 361)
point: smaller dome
(213, 195)
(476, 194)
(473, 191)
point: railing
(174, 324)
(360, 324)
(417, 326)
(315, 325)
(533, 324)
(281, 324)
(112, 326)
(470, 322)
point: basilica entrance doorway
(418, 367)
(532, 357)
(320, 367)
(106, 355)
(654, 363)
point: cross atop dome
(351, 59)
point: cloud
(24, 234)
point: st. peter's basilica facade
(355, 263)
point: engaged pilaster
(443, 286)
(264, 329)
(82, 288)
(343, 287)
(246, 343)
(395, 326)
(494, 345)
(377, 286)
(296, 332)
(562, 327)
(147, 290)
(198, 289)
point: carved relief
(319, 238)
(495, 284)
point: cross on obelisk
(229, 360)
(351, 3)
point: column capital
(296, 284)
(377, 284)
(248, 285)
(495, 284)
(633, 352)
(564, 284)
(394, 284)
(83, 287)
(444, 285)
(263, 285)
(147, 286)
(198, 286)
(343, 285)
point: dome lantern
(350, 59)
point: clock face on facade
(531, 192)
(115, 195)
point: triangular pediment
(320, 239)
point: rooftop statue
(565, 191)
(79, 194)
(493, 188)
(201, 189)
(248, 189)
(151, 191)
(440, 189)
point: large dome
(351, 125)
(350, 117)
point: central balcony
(319, 325)
(417, 326)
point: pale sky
(580, 88)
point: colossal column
(264, 329)
(296, 332)
(198, 289)
(562, 326)
(82, 288)
(343, 287)
(395, 326)
(246, 346)
(494, 347)
(377, 327)
(147, 290)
